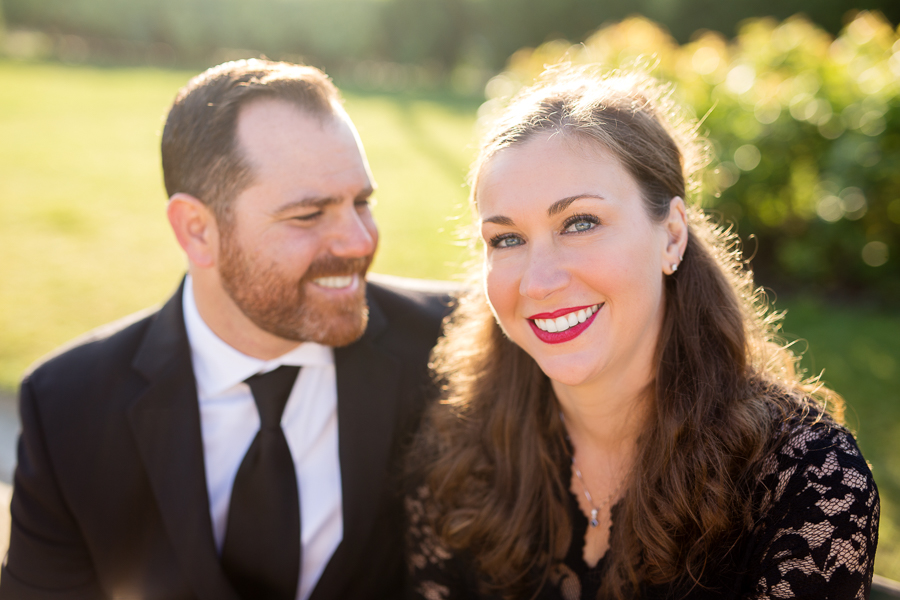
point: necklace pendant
(594, 520)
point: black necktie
(261, 553)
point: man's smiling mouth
(336, 282)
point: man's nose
(354, 234)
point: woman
(617, 421)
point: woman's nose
(545, 273)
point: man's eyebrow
(319, 201)
(561, 205)
(366, 192)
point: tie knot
(271, 391)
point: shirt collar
(218, 366)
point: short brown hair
(200, 155)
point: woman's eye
(580, 223)
(507, 240)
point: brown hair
(494, 447)
(200, 155)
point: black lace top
(814, 539)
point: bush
(805, 129)
(440, 35)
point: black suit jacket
(110, 494)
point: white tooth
(581, 315)
(562, 323)
(573, 319)
(551, 326)
(335, 282)
(595, 308)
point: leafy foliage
(805, 127)
(438, 35)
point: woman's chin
(566, 374)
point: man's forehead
(300, 153)
(268, 117)
(275, 130)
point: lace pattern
(814, 538)
(426, 553)
(830, 544)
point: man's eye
(579, 223)
(506, 240)
(310, 217)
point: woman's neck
(605, 418)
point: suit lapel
(165, 421)
(368, 381)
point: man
(151, 461)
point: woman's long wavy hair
(493, 448)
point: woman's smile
(563, 325)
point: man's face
(296, 247)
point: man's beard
(281, 305)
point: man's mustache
(336, 266)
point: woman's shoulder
(810, 447)
(817, 525)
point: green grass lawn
(85, 239)
(82, 206)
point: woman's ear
(676, 226)
(196, 229)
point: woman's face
(574, 266)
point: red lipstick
(561, 336)
(558, 313)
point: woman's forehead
(547, 155)
(542, 173)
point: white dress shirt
(229, 421)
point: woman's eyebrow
(499, 220)
(561, 205)
(555, 208)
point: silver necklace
(595, 510)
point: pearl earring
(674, 267)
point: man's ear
(676, 226)
(196, 229)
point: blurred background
(801, 103)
